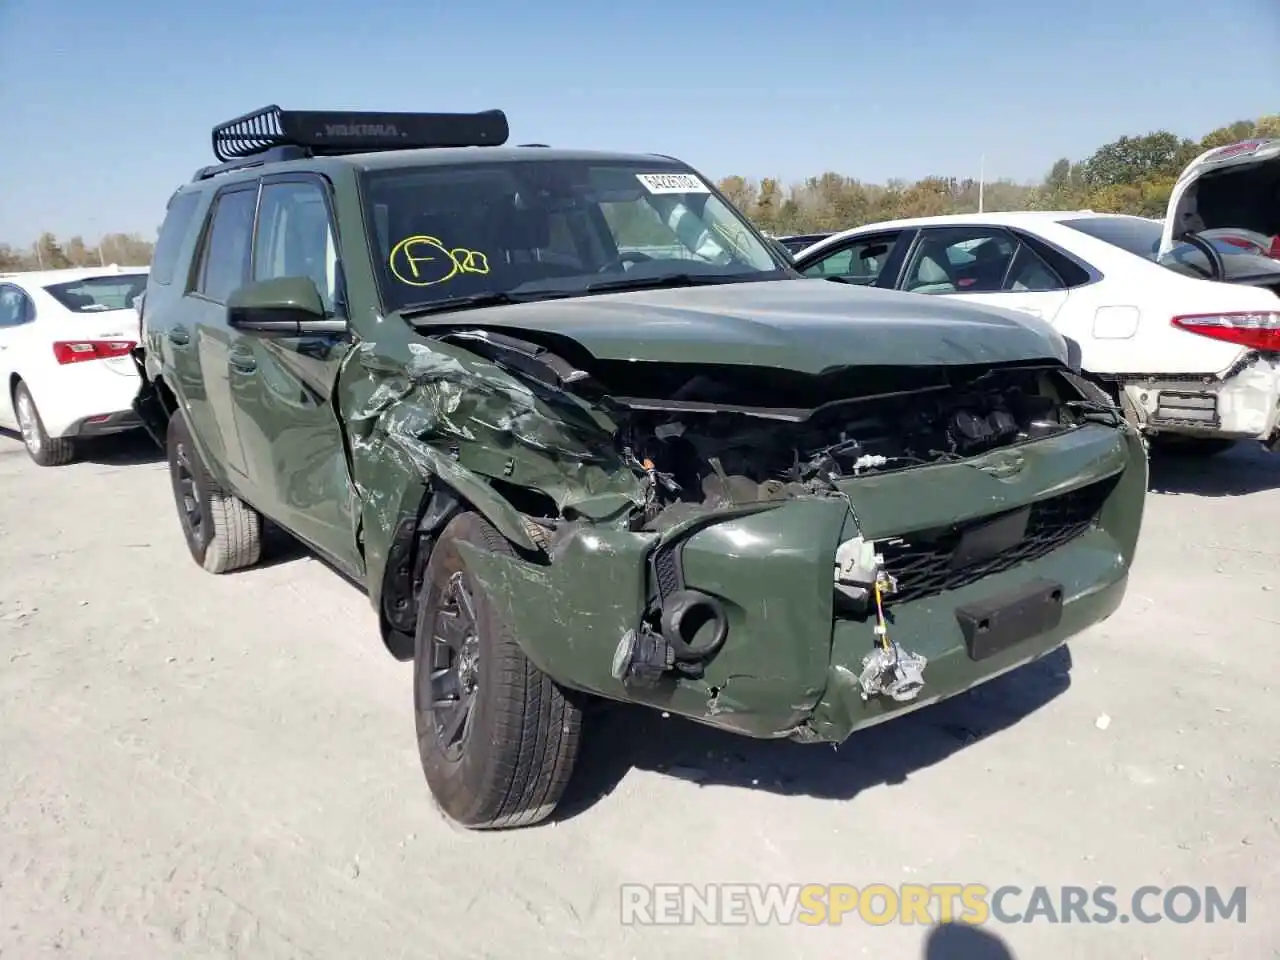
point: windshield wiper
(669, 280)
(492, 298)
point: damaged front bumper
(1243, 405)
(785, 658)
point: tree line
(1134, 174)
(50, 253)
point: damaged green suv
(580, 431)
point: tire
(1180, 446)
(520, 737)
(222, 532)
(43, 449)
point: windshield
(99, 294)
(1141, 237)
(536, 228)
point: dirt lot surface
(199, 766)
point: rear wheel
(223, 533)
(45, 450)
(497, 737)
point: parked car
(687, 479)
(1187, 341)
(65, 338)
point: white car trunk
(1233, 187)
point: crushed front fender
(451, 418)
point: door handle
(179, 336)
(243, 365)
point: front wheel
(497, 737)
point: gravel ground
(197, 766)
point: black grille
(922, 562)
(666, 569)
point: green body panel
(771, 673)
(935, 495)
(793, 325)
(1094, 575)
(344, 438)
(292, 441)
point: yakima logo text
(361, 130)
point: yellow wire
(884, 636)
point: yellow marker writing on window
(423, 261)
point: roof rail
(270, 134)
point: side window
(224, 262)
(16, 306)
(960, 260)
(833, 265)
(1030, 274)
(861, 262)
(13, 306)
(1070, 272)
(295, 237)
(164, 259)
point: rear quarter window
(177, 221)
(1073, 274)
(99, 294)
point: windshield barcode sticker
(672, 183)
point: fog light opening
(694, 624)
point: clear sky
(106, 107)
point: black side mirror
(281, 307)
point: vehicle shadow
(617, 738)
(1244, 469)
(122, 450)
(280, 547)
(961, 941)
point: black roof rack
(271, 134)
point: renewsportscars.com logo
(880, 904)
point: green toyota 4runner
(580, 431)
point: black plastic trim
(993, 625)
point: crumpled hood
(807, 326)
(1233, 186)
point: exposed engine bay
(701, 437)
(722, 458)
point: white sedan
(1184, 332)
(65, 365)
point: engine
(721, 456)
